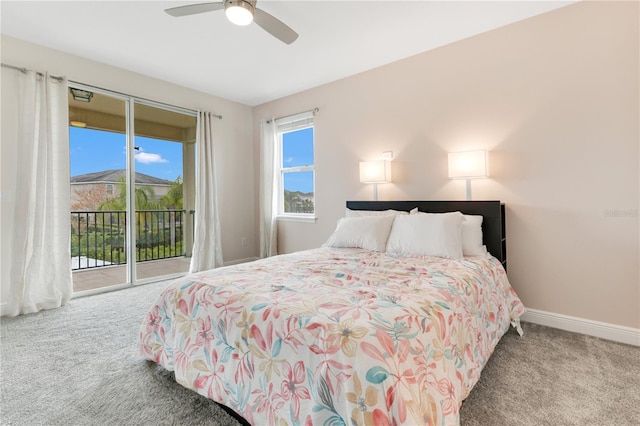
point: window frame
(288, 125)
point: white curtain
(268, 185)
(40, 276)
(207, 244)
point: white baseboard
(3, 309)
(617, 333)
(236, 262)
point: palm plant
(173, 198)
(144, 198)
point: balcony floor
(106, 276)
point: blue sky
(297, 150)
(96, 150)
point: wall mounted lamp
(468, 165)
(375, 172)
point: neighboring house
(106, 183)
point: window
(109, 189)
(296, 193)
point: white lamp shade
(378, 171)
(468, 165)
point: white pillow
(367, 232)
(427, 234)
(472, 236)
(361, 213)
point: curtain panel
(40, 269)
(268, 185)
(207, 243)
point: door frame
(130, 101)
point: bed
(353, 332)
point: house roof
(112, 176)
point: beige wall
(556, 101)
(234, 151)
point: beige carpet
(78, 365)
(553, 377)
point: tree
(295, 203)
(173, 198)
(290, 201)
(145, 198)
(307, 206)
(90, 199)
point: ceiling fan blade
(192, 9)
(274, 26)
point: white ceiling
(245, 64)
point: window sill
(304, 219)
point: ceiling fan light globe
(239, 12)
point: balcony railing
(98, 238)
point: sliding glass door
(164, 162)
(132, 189)
(98, 161)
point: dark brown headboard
(493, 222)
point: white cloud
(148, 158)
(289, 160)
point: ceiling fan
(241, 12)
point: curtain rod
(24, 71)
(314, 110)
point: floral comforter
(334, 336)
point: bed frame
(493, 213)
